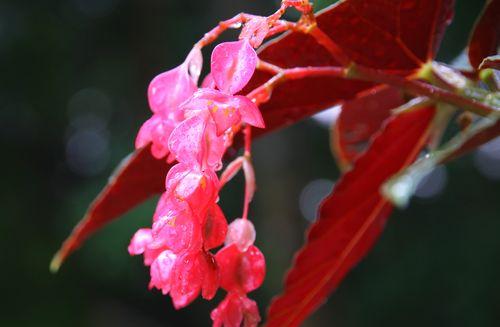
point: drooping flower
(195, 127)
(234, 311)
(241, 271)
(165, 94)
(232, 65)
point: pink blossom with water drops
(232, 65)
(236, 310)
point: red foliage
(394, 37)
(379, 34)
(350, 219)
(485, 39)
(137, 178)
(359, 119)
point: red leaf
(350, 219)
(485, 38)
(137, 178)
(397, 35)
(359, 119)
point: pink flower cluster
(194, 126)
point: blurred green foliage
(72, 96)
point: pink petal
(225, 117)
(241, 233)
(155, 130)
(228, 313)
(169, 89)
(198, 188)
(186, 280)
(186, 140)
(208, 82)
(241, 271)
(221, 107)
(214, 228)
(178, 231)
(251, 312)
(210, 272)
(249, 111)
(139, 242)
(161, 271)
(216, 146)
(150, 255)
(233, 64)
(234, 311)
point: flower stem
(409, 85)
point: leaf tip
(55, 263)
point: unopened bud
(242, 233)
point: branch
(411, 86)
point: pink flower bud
(241, 232)
(141, 239)
(234, 311)
(169, 89)
(161, 270)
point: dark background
(73, 77)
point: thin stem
(248, 140)
(420, 88)
(276, 24)
(411, 86)
(248, 170)
(215, 32)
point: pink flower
(208, 82)
(195, 186)
(232, 65)
(156, 130)
(165, 94)
(160, 271)
(226, 110)
(178, 231)
(241, 271)
(234, 311)
(195, 127)
(141, 239)
(193, 273)
(140, 244)
(214, 228)
(169, 89)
